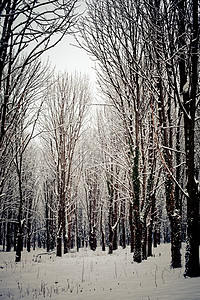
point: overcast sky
(66, 57)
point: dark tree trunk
(110, 217)
(150, 240)
(123, 231)
(29, 227)
(115, 236)
(176, 242)
(103, 241)
(20, 222)
(4, 236)
(59, 232)
(8, 233)
(155, 234)
(47, 227)
(171, 202)
(192, 255)
(150, 228)
(8, 238)
(192, 268)
(131, 227)
(52, 228)
(29, 236)
(34, 241)
(175, 224)
(59, 246)
(65, 242)
(137, 257)
(144, 240)
(102, 232)
(19, 242)
(77, 231)
(93, 241)
(110, 251)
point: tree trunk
(155, 234)
(192, 267)
(59, 233)
(150, 240)
(131, 227)
(34, 241)
(29, 227)
(123, 232)
(19, 241)
(69, 232)
(150, 228)
(20, 222)
(8, 233)
(110, 217)
(29, 236)
(176, 242)
(47, 227)
(8, 237)
(115, 236)
(144, 240)
(137, 257)
(102, 232)
(65, 243)
(59, 246)
(77, 232)
(175, 224)
(192, 253)
(110, 251)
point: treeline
(131, 179)
(148, 69)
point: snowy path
(89, 275)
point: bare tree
(114, 35)
(189, 76)
(28, 29)
(62, 120)
(176, 43)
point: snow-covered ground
(89, 275)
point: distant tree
(28, 29)
(111, 153)
(23, 134)
(62, 120)
(114, 35)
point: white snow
(186, 86)
(89, 275)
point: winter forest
(106, 168)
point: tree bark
(102, 232)
(137, 257)
(131, 227)
(123, 231)
(192, 267)
(8, 237)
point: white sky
(67, 57)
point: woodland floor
(89, 275)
